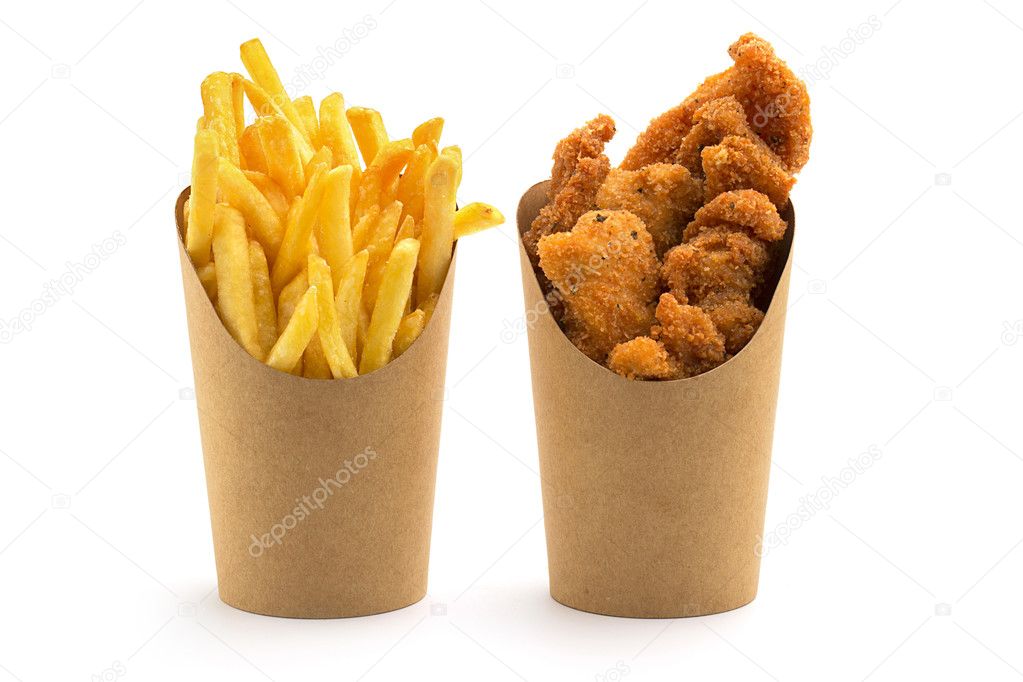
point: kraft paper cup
(653, 492)
(320, 492)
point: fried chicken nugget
(775, 100)
(738, 163)
(737, 320)
(642, 358)
(716, 261)
(664, 196)
(606, 272)
(744, 209)
(575, 198)
(713, 122)
(586, 142)
(689, 335)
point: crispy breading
(716, 261)
(586, 142)
(575, 198)
(775, 101)
(607, 274)
(689, 336)
(737, 163)
(743, 209)
(713, 122)
(642, 358)
(664, 196)
(736, 319)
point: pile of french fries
(317, 264)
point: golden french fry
(428, 132)
(300, 329)
(291, 294)
(334, 348)
(307, 112)
(271, 191)
(348, 301)
(390, 304)
(380, 245)
(455, 152)
(203, 198)
(235, 298)
(324, 157)
(476, 217)
(264, 106)
(292, 256)
(314, 362)
(368, 128)
(409, 329)
(266, 311)
(219, 113)
(238, 191)
(336, 133)
(378, 185)
(208, 277)
(437, 226)
(364, 227)
(407, 229)
(333, 224)
(251, 149)
(283, 159)
(238, 102)
(410, 186)
(262, 71)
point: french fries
(322, 243)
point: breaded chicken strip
(737, 163)
(642, 358)
(713, 122)
(775, 101)
(606, 272)
(575, 198)
(736, 319)
(716, 261)
(745, 210)
(689, 336)
(664, 196)
(586, 142)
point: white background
(903, 333)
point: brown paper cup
(653, 492)
(320, 492)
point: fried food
(713, 122)
(775, 101)
(586, 142)
(605, 270)
(689, 336)
(745, 210)
(580, 168)
(717, 261)
(738, 163)
(642, 358)
(701, 189)
(664, 196)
